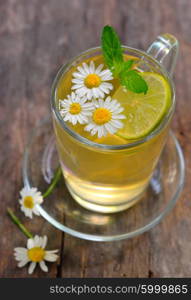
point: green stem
(55, 180)
(18, 223)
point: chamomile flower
(29, 198)
(75, 109)
(91, 82)
(105, 117)
(35, 253)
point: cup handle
(165, 50)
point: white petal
(21, 201)
(43, 266)
(50, 256)
(100, 132)
(105, 132)
(89, 94)
(77, 81)
(81, 92)
(85, 119)
(82, 71)
(31, 267)
(104, 89)
(23, 191)
(106, 74)
(78, 86)
(38, 200)
(85, 113)
(99, 92)
(20, 254)
(36, 211)
(22, 263)
(88, 106)
(110, 128)
(95, 129)
(53, 251)
(118, 110)
(92, 67)
(107, 85)
(44, 241)
(67, 117)
(89, 127)
(20, 257)
(82, 101)
(37, 241)
(27, 212)
(117, 123)
(98, 69)
(30, 243)
(73, 120)
(108, 100)
(101, 102)
(20, 250)
(94, 92)
(86, 68)
(78, 75)
(67, 102)
(115, 117)
(72, 96)
(106, 77)
(81, 119)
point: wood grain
(36, 38)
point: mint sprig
(113, 56)
(112, 51)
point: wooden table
(36, 38)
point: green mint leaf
(127, 65)
(112, 51)
(133, 81)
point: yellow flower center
(101, 116)
(92, 80)
(75, 108)
(36, 254)
(28, 202)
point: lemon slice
(144, 112)
(111, 140)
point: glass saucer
(59, 208)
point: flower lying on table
(35, 253)
(29, 198)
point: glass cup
(111, 178)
